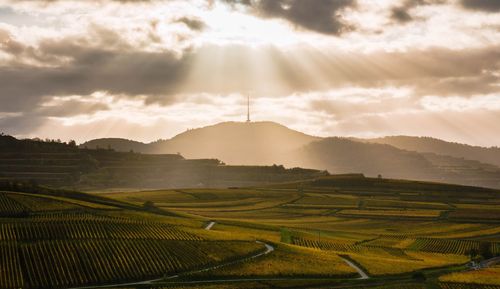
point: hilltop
(118, 144)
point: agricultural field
(289, 260)
(385, 227)
(46, 242)
(324, 233)
(486, 276)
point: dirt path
(360, 271)
(209, 225)
(490, 262)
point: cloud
(80, 66)
(402, 13)
(62, 107)
(192, 23)
(323, 16)
(482, 5)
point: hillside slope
(432, 145)
(341, 155)
(266, 143)
(61, 164)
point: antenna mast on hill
(248, 107)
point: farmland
(307, 232)
(387, 227)
(50, 243)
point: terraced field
(387, 227)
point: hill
(432, 145)
(266, 143)
(60, 164)
(341, 155)
(118, 144)
(255, 143)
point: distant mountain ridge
(441, 147)
(267, 143)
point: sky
(147, 70)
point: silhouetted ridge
(432, 145)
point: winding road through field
(360, 271)
(268, 249)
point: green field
(402, 234)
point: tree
(148, 205)
(485, 250)
(419, 276)
(472, 253)
(72, 143)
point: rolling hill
(263, 143)
(341, 155)
(118, 144)
(256, 143)
(267, 143)
(432, 145)
(60, 164)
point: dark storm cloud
(322, 16)
(71, 67)
(402, 13)
(483, 5)
(131, 73)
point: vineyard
(462, 247)
(47, 243)
(101, 262)
(65, 239)
(396, 246)
(446, 285)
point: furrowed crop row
(83, 216)
(9, 206)
(323, 245)
(446, 285)
(24, 231)
(59, 264)
(449, 246)
(10, 267)
(361, 249)
(37, 204)
(384, 242)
